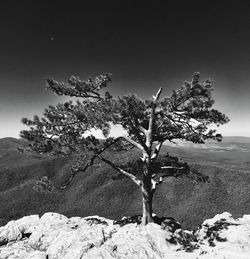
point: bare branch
(171, 141)
(136, 126)
(172, 167)
(141, 128)
(156, 97)
(160, 125)
(149, 132)
(134, 143)
(75, 172)
(155, 183)
(120, 170)
(157, 150)
(88, 164)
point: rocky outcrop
(55, 236)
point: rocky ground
(56, 236)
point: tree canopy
(65, 129)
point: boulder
(54, 236)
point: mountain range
(100, 191)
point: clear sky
(144, 44)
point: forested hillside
(101, 191)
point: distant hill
(101, 192)
(225, 141)
(236, 139)
(231, 153)
(11, 144)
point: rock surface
(55, 236)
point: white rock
(58, 237)
(14, 230)
(52, 218)
(245, 219)
(223, 216)
(231, 238)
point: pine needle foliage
(65, 129)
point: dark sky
(144, 45)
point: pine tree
(186, 114)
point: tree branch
(157, 96)
(141, 128)
(134, 143)
(171, 167)
(120, 170)
(88, 164)
(135, 126)
(157, 150)
(77, 171)
(149, 132)
(155, 183)
(94, 157)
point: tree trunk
(147, 199)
